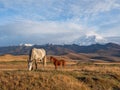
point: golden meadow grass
(76, 76)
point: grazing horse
(57, 62)
(36, 54)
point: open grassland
(75, 76)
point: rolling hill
(107, 52)
(107, 49)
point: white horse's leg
(44, 62)
(30, 65)
(35, 64)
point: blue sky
(57, 21)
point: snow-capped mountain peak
(96, 36)
(28, 45)
(89, 39)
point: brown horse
(57, 62)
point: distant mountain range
(86, 40)
(94, 39)
(106, 49)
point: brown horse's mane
(53, 58)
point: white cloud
(43, 21)
(49, 27)
(52, 9)
(111, 32)
(91, 33)
(41, 32)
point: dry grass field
(76, 75)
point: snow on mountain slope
(28, 45)
(90, 39)
(93, 39)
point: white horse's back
(38, 54)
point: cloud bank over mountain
(57, 21)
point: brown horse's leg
(56, 67)
(63, 64)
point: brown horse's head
(51, 59)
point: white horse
(36, 54)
